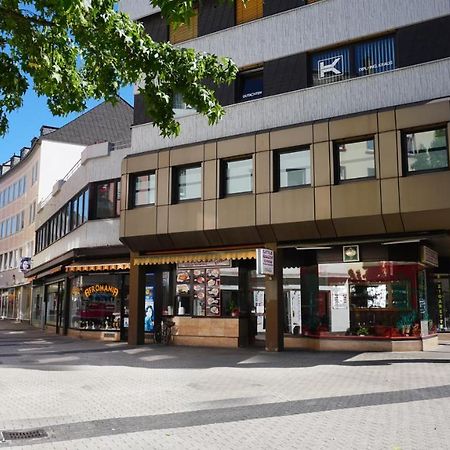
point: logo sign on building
(101, 289)
(264, 261)
(25, 264)
(365, 58)
(330, 66)
(350, 253)
(428, 256)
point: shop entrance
(54, 305)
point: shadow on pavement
(35, 350)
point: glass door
(125, 308)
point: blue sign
(252, 87)
(375, 56)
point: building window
(184, 31)
(105, 199)
(374, 56)
(238, 176)
(425, 150)
(354, 159)
(252, 10)
(250, 85)
(188, 183)
(293, 168)
(143, 189)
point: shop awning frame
(148, 260)
(98, 267)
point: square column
(136, 304)
(274, 304)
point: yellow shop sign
(101, 288)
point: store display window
(379, 299)
(214, 291)
(95, 302)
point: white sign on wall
(429, 256)
(264, 261)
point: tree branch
(18, 16)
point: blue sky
(25, 123)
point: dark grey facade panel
(423, 42)
(215, 16)
(226, 94)
(286, 74)
(140, 116)
(276, 6)
(156, 27)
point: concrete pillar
(274, 304)
(136, 335)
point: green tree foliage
(74, 50)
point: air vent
(21, 435)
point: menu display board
(213, 292)
(203, 286)
(199, 292)
(183, 282)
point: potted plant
(232, 309)
(406, 322)
(362, 331)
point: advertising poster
(149, 309)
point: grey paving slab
(89, 394)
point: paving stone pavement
(89, 394)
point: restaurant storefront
(205, 294)
(328, 300)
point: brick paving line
(117, 426)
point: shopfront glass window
(189, 183)
(294, 168)
(292, 300)
(37, 305)
(52, 303)
(426, 150)
(209, 292)
(167, 299)
(257, 291)
(355, 159)
(238, 176)
(439, 306)
(378, 299)
(95, 302)
(144, 188)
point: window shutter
(185, 31)
(251, 11)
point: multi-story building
(333, 154)
(27, 183)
